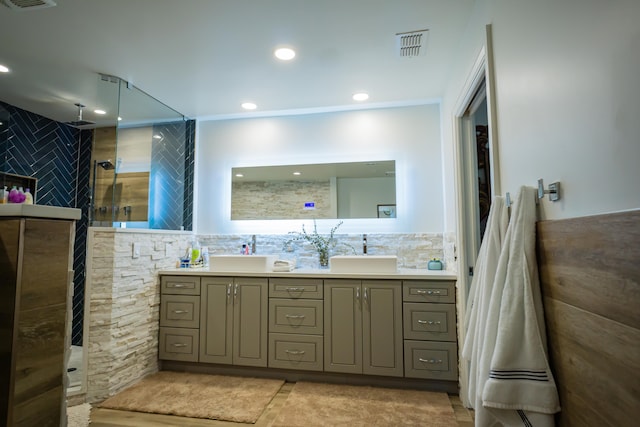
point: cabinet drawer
(428, 291)
(178, 344)
(428, 321)
(180, 285)
(296, 316)
(295, 288)
(430, 360)
(180, 311)
(296, 352)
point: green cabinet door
(382, 327)
(216, 320)
(250, 321)
(342, 326)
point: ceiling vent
(27, 4)
(412, 44)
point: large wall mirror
(318, 191)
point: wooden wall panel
(590, 278)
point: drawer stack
(179, 318)
(429, 323)
(296, 324)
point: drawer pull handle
(427, 292)
(179, 345)
(295, 352)
(176, 285)
(430, 361)
(294, 316)
(295, 289)
(180, 311)
(429, 322)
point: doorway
(477, 177)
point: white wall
(568, 100)
(409, 135)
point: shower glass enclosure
(142, 163)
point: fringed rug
(317, 404)
(214, 397)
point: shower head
(80, 122)
(106, 164)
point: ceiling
(204, 58)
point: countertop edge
(316, 273)
(38, 211)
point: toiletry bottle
(243, 251)
(13, 195)
(4, 195)
(21, 195)
(195, 252)
(28, 197)
(204, 252)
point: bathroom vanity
(314, 324)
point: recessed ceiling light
(101, 112)
(3, 69)
(249, 106)
(239, 175)
(285, 53)
(361, 96)
(119, 118)
(297, 173)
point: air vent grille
(27, 4)
(412, 44)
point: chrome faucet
(253, 244)
(364, 244)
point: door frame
(481, 71)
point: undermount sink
(242, 263)
(363, 264)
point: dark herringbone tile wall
(59, 156)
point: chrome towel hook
(553, 191)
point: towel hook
(553, 191)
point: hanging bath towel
(480, 293)
(520, 390)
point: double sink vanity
(361, 316)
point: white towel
(480, 295)
(284, 265)
(520, 389)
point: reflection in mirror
(319, 191)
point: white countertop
(404, 273)
(38, 211)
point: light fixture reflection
(249, 106)
(285, 53)
(361, 96)
(3, 69)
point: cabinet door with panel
(363, 327)
(233, 326)
(216, 320)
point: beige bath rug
(215, 397)
(78, 416)
(317, 404)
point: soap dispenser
(28, 197)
